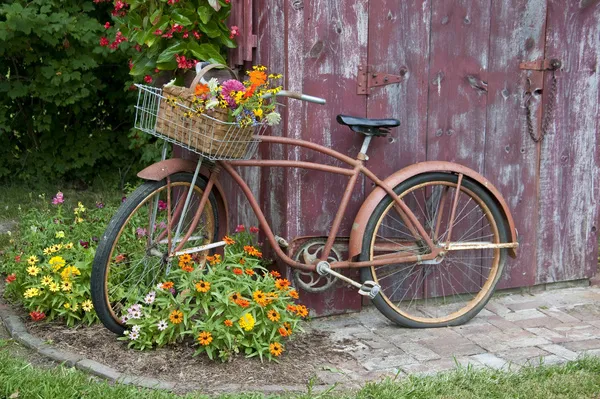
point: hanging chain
(548, 112)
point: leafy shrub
(48, 268)
(64, 105)
(228, 305)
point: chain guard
(312, 281)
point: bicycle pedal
(370, 289)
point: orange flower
(275, 273)
(184, 259)
(228, 323)
(187, 268)
(242, 261)
(202, 286)
(176, 317)
(260, 298)
(275, 348)
(205, 338)
(167, 285)
(257, 78)
(250, 91)
(120, 258)
(282, 284)
(228, 240)
(283, 331)
(273, 315)
(214, 259)
(248, 249)
(288, 328)
(201, 89)
(243, 303)
(301, 311)
(293, 294)
(238, 271)
(235, 296)
(291, 308)
(250, 272)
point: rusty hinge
(368, 78)
(542, 65)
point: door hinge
(542, 65)
(368, 78)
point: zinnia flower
(32, 260)
(11, 278)
(253, 229)
(33, 270)
(275, 273)
(66, 286)
(37, 316)
(176, 317)
(162, 325)
(293, 294)
(46, 280)
(247, 322)
(87, 305)
(59, 197)
(167, 285)
(238, 271)
(54, 287)
(202, 286)
(260, 298)
(228, 323)
(282, 284)
(149, 300)
(273, 315)
(282, 331)
(227, 89)
(250, 272)
(205, 338)
(228, 240)
(301, 311)
(243, 303)
(31, 292)
(276, 349)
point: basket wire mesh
(202, 134)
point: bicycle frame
(356, 168)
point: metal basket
(207, 135)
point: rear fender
(368, 206)
(162, 169)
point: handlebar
(297, 96)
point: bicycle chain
(548, 112)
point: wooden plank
(569, 181)
(511, 156)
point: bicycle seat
(366, 126)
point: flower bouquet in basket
(216, 118)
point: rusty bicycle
(430, 240)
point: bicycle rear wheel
(453, 288)
(132, 257)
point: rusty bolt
(450, 132)
(439, 133)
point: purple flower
(140, 232)
(85, 244)
(228, 87)
(123, 199)
(162, 205)
(95, 239)
(99, 205)
(58, 198)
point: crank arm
(368, 288)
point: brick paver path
(553, 326)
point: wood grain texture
(569, 169)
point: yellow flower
(78, 220)
(32, 260)
(176, 317)
(247, 322)
(54, 287)
(69, 245)
(47, 280)
(276, 349)
(68, 272)
(31, 292)
(33, 270)
(260, 298)
(273, 315)
(205, 338)
(67, 305)
(202, 286)
(60, 234)
(87, 305)
(258, 113)
(47, 251)
(57, 262)
(75, 307)
(67, 286)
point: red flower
(158, 32)
(235, 31)
(240, 228)
(137, 48)
(107, 25)
(238, 271)
(253, 229)
(186, 35)
(196, 35)
(130, 64)
(37, 316)
(148, 79)
(18, 258)
(104, 42)
(11, 278)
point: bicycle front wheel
(453, 288)
(132, 257)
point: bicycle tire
(116, 229)
(432, 309)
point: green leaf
(211, 29)
(180, 18)
(169, 53)
(206, 52)
(205, 14)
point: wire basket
(206, 134)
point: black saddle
(368, 127)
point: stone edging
(16, 329)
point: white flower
(136, 314)
(273, 118)
(162, 325)
(124, 319)
(135, 329)
(159, 286)
(150, 298)
(212, 103)
(212, 84)
(134, 335)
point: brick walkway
(554, 325)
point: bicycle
(412, 267)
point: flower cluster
(228, 304)
(243, 100)
(49, 270)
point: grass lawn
(578, 379)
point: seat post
(365, 146)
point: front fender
(360, 222)
(162, 169)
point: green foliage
(229, 305)
(48, 267)
(169, 35)
(64, 109)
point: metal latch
(542, 65)
(368, 78)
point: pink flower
(196, 35)
(104, 42)
(119, 5)
(158, 32)
(107, 25)
(137, 48)
(186, 35)
(148, 79)
(162, 205)
(11, 278)
(240, 228)
(58, 198)
(140, 232)
(228, 87)
(235, 31)
(253, 229)
(99, 204)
